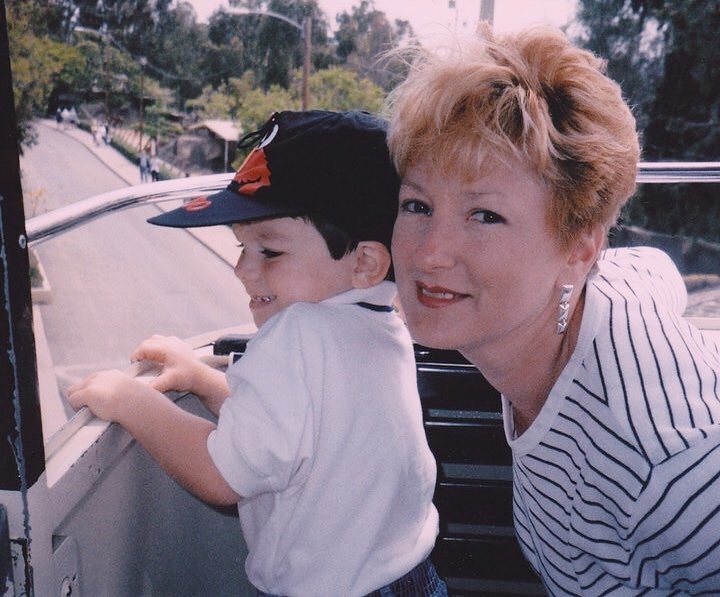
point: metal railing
(65, 218)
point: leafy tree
(223, 102)
(177, 55)
(686, 109)
(40, 66)
(250, 106)
(270, 46)
(666, 55)
(632, 45)
(341, 89)
(365, 34)
(257, 106)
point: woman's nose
(436, 247)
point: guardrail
(65, 218)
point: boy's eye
(269, 253)
(487, 217)
(415, 206)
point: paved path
(702, 303)
(218, 239)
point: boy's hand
(105, 393)
(180, 365)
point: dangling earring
(564, 312)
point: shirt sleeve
(264, 434)
(674, 541)
(647, 271)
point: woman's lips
(437, 296)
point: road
(118, 279)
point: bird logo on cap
(253, 174)
(197, 204)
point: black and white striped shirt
(617, 482)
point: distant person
(154, 165)
(320, 437)
(144, 164)
(107, 135)
(65, 114)
(516, 154)
(94, 131)
(58, 117)
(101, 132)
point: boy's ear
(372, 263)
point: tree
(363, 36)
(41, 67)
(666, 55)
(632, 45)
(341, 89)
(271, 47)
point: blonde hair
(530, 95)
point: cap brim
(225, 207)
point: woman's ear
(586, 249)
(372, 263)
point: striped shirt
(617, 481)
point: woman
(516, 154)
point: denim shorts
(421, 581)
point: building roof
(225, 129)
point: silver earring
(564, 312)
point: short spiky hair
(531, 95)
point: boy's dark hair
(339, 242)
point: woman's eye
(487, 217)
(415, 206)
(269, 253)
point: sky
(435, 17)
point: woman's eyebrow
(408, 182)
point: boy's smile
(285, 261)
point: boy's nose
(243, 269)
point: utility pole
(307, 33)
(305, 29)
(487, 11)
(143, 62)
(106, 73)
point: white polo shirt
(323, 437)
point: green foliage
(330, 89)
(665, 54)
(40, 67)
(363, 35)
(341, 89)
(257, 106)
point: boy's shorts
(421, 581)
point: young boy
(319, 437)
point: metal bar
(65, 218)
(678, 172)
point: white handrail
(65, 218)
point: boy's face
(285, 261)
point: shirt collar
(381, 294)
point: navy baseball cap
(334, 165)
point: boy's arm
(176, 439)
(183, 372)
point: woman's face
(475, 261)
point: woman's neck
(526, 374)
